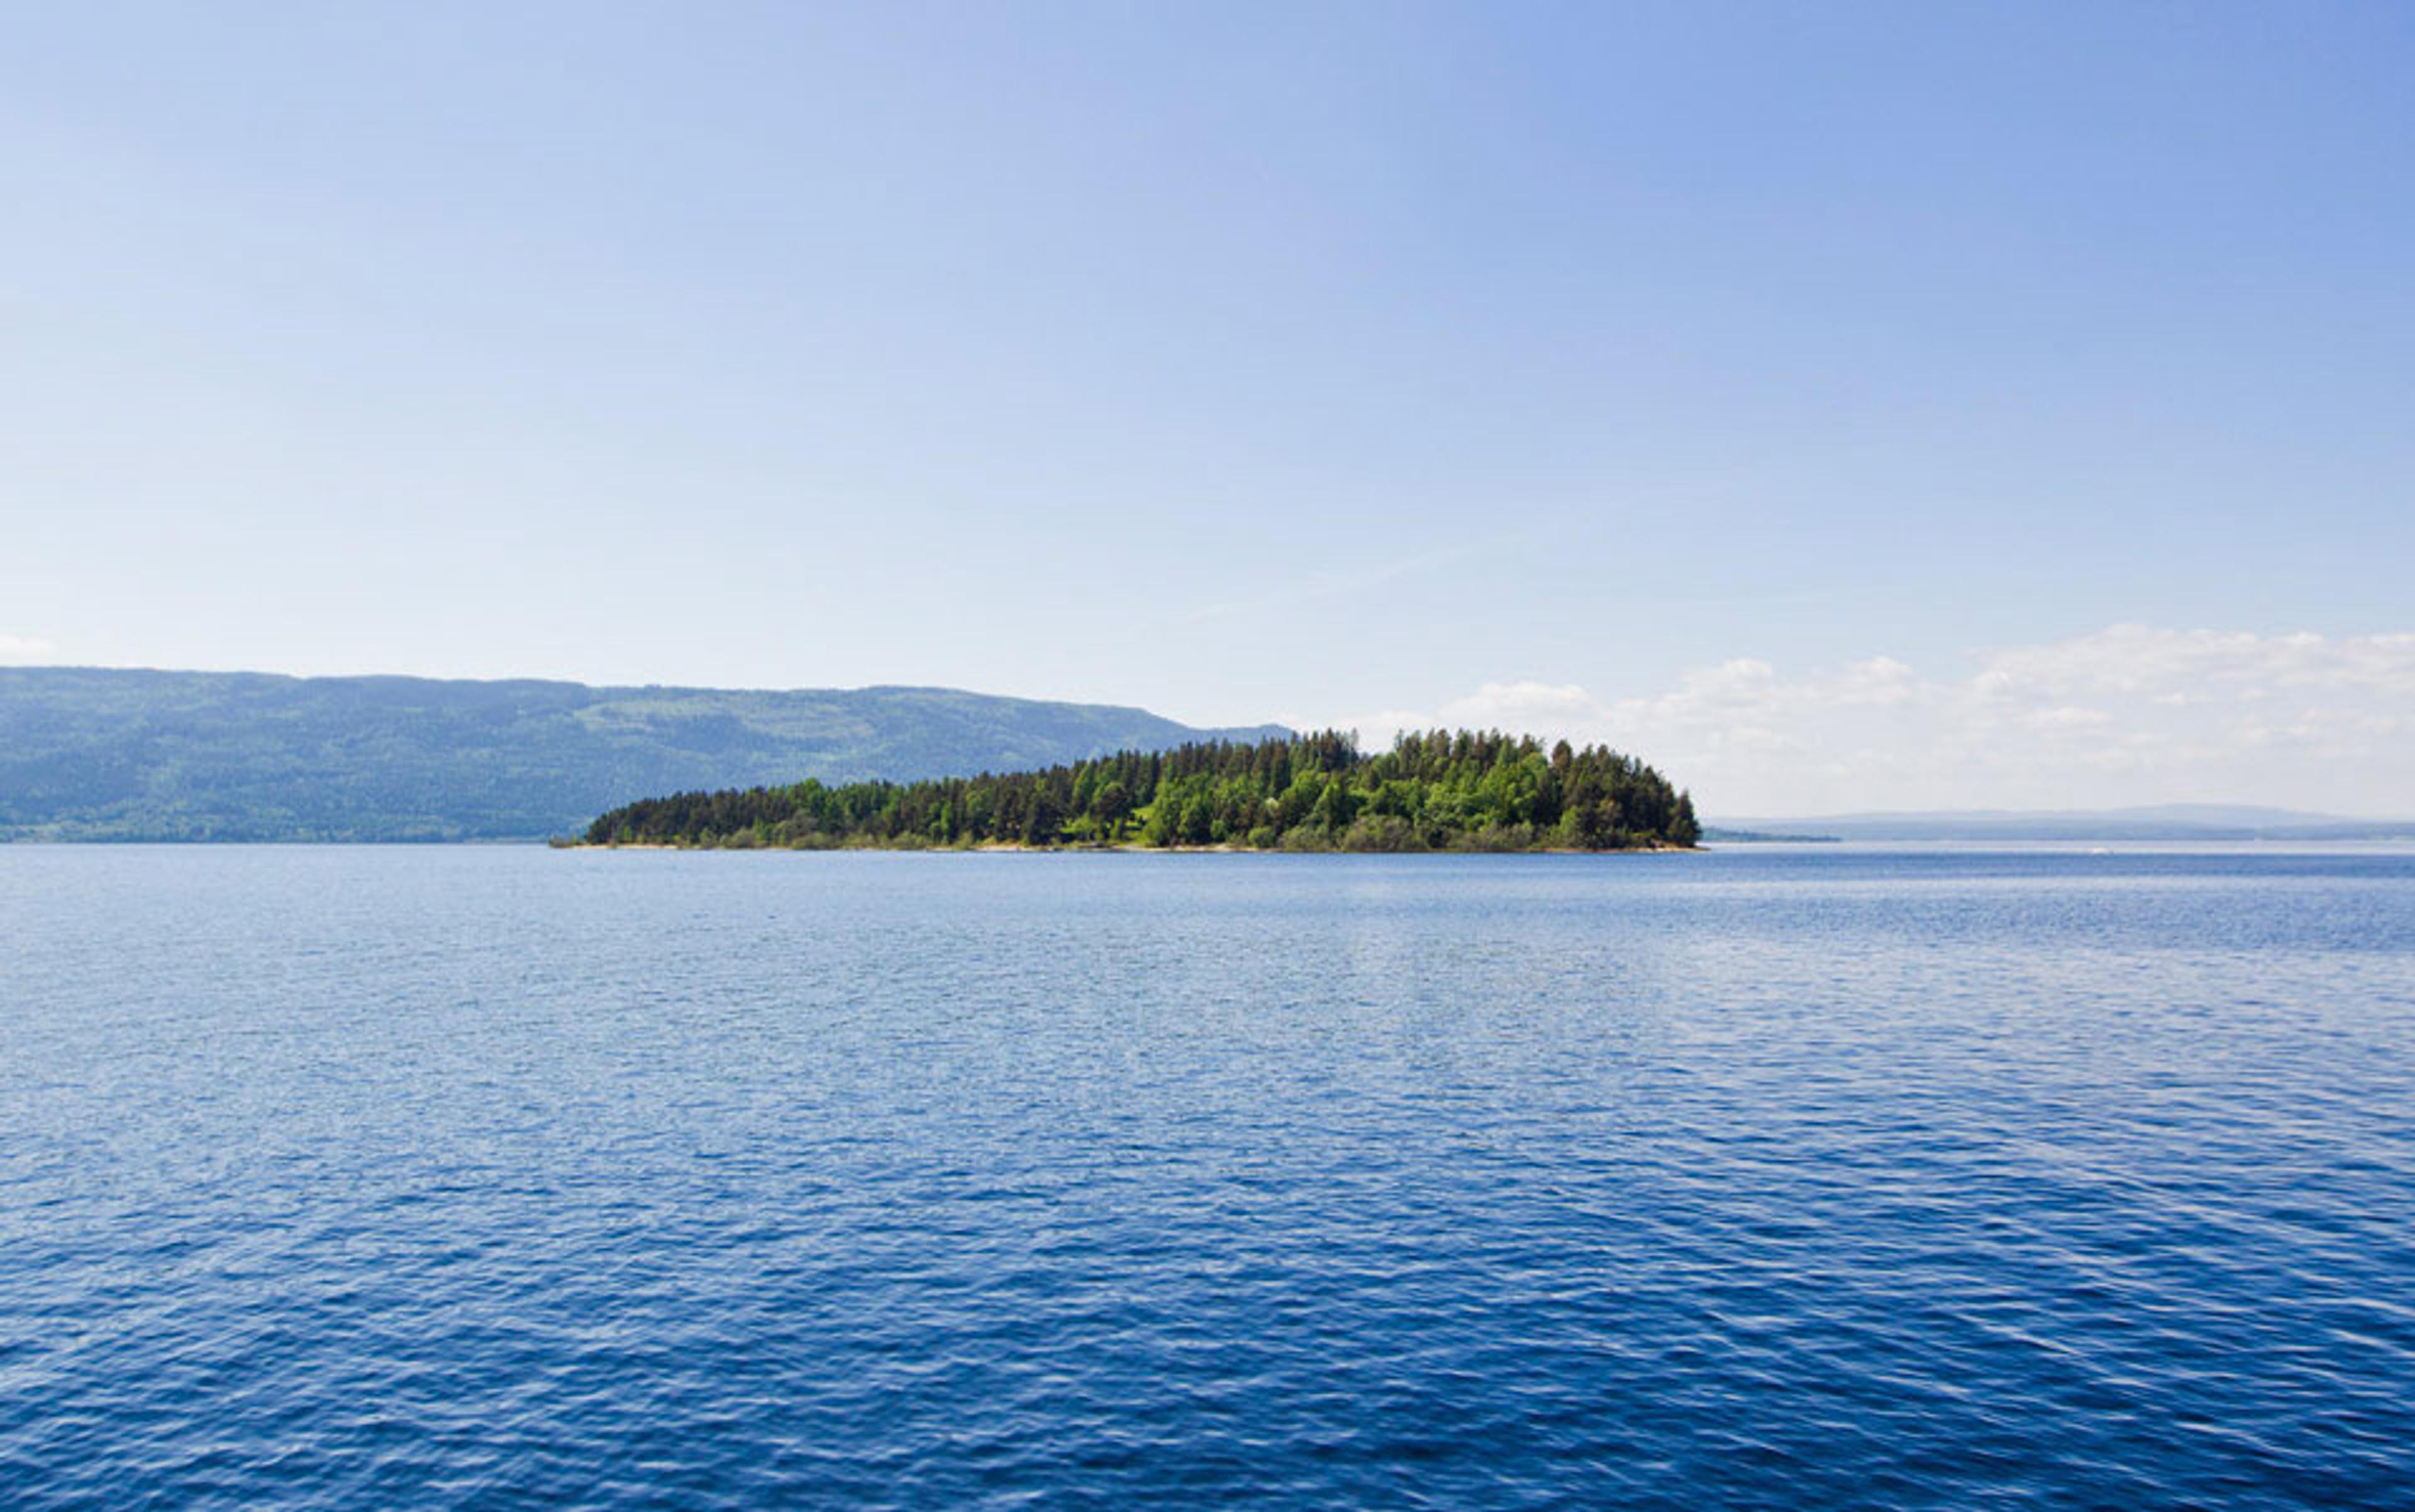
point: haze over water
(500, 1177)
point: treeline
(1443, 791)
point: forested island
(1440, 790)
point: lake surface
(1776, 1178)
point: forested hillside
(1437, 791)
(109, 754)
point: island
(1436, 790)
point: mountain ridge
(2152, 821)
(156, 754)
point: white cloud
(2131, 715)
(26, 649)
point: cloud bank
(2131, 715)
(22, 649)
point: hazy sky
(1843, 406)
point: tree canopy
(1434, 791)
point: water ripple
(505, 1179)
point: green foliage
(1441, 791)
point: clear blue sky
(1299, 361)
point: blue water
(499, 1178)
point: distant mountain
(1714, 835)
(106, 754)
(2162, 821)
